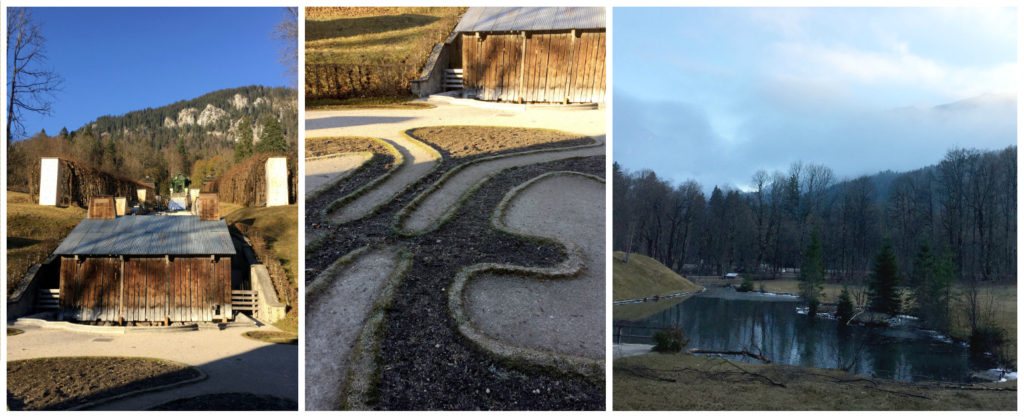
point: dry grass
(33, 232)
(685, 382)
(385, 35)
(644, 277)
(280, 229)
(367, 103)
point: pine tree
(932, 280)
(812, 275)
(883, 293)
(64, 132)
(273, 137)
(243, 144)
(844, 309)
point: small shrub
(747, 285)
(844, 310)
(670, 340)
(987, 339)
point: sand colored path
(418, 160)
(562, 315)
(324, 172)
(338, 304)
(389, 124)
(438, 203)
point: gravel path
(325, 171)
(232, 362)
(437, 203)
(334, 319)
(562, 315)
(418, 160)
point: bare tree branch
(31, 86)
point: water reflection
(723, 320)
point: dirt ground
(421, 349)
(316, 147)
(686, 382)
(65, 382)
(231, 401)
(458, 142)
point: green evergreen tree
(883, 294)
(273, 137)
(844, 309)
(64, 132)
(243, 144)
(932, 281)
(812, 275)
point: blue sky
(714, 94)
(115, 60)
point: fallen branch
(771, 381)
(761, 358)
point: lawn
(685, 382)
(383, 35)
(33, 232)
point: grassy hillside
(644, 277)
(33, 232)
(280, 228)
(379, 50)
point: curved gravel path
(418, 160)
(563, 315)
(436, 205)
(342, 298)
(322, 172)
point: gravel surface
(425, 363)
(320, 172)
(564, 315)
(65, 382)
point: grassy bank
(685, 382)
(644, 277)
(280, 229)
(384, 35)
(33, 232)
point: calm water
(724, 320)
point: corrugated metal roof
(148, 235)
(499, 19)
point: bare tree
(287, 31)
(30, 85)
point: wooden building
(533, 54)
(146, 268)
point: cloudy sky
(714, 94)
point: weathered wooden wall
(181, 289)
(552, 67)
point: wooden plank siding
(180, 289)
(543, 67)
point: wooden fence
(555, 67)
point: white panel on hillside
(48, 173)
(141, 194)
(120, 204)
(277, 182)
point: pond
(724, 320)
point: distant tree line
(964, 206)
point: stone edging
(330, 184)
(362, 375)
(472, 102)
(405, 212)
(592, 369)
(85, 328)
(202, 376)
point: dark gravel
(426, 365)
(230, 401)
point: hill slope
(644, 277)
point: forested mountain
(195, 137)
(965, 206)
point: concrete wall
(432, 77)
(269, 309)
(22, 300)
(48, 184)
(277, 181)
(120, 205)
